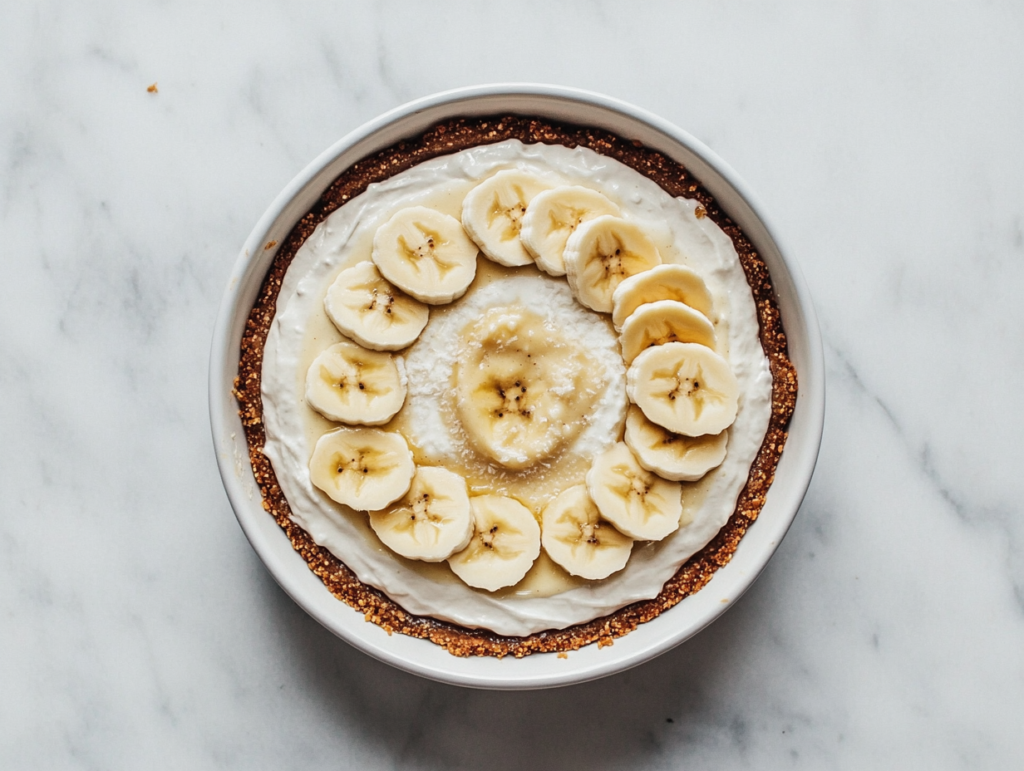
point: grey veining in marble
(138, 628)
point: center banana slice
(432, 521)
(553, 216)
(492, 214)
(602, 253)
(684, 387)
(575, 536)
(364, 468)
(523, 390)
(372, 312)
(426, 254)
(504, 545)
(640, 504)
(350, 384)
(664, 321)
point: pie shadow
(678, 702)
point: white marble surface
(138, 627)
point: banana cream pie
(515, 387)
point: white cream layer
(431, 359)
(341, 241)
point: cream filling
(300, 330)
(431, 360)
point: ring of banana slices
(683, 393)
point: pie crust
(444, 139)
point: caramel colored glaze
(443, 139)
(533, 486)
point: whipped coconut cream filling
(300, 330)
(431, 360)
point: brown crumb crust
(444, 139)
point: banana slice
(640, 504)
(553, 216)
(522, 389)
(673, 456)
(664, 321)
(684, 387)
(504, 545)
(372, 312)
(426, 254)
(602, 253)
(350, 384)
(492, 213)
(432, 521)
(364, 468)
(665, 282)
(576, 537)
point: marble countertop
(140, 629)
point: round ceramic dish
(538, 670)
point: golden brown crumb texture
(443, 139)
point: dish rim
(539, 670)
